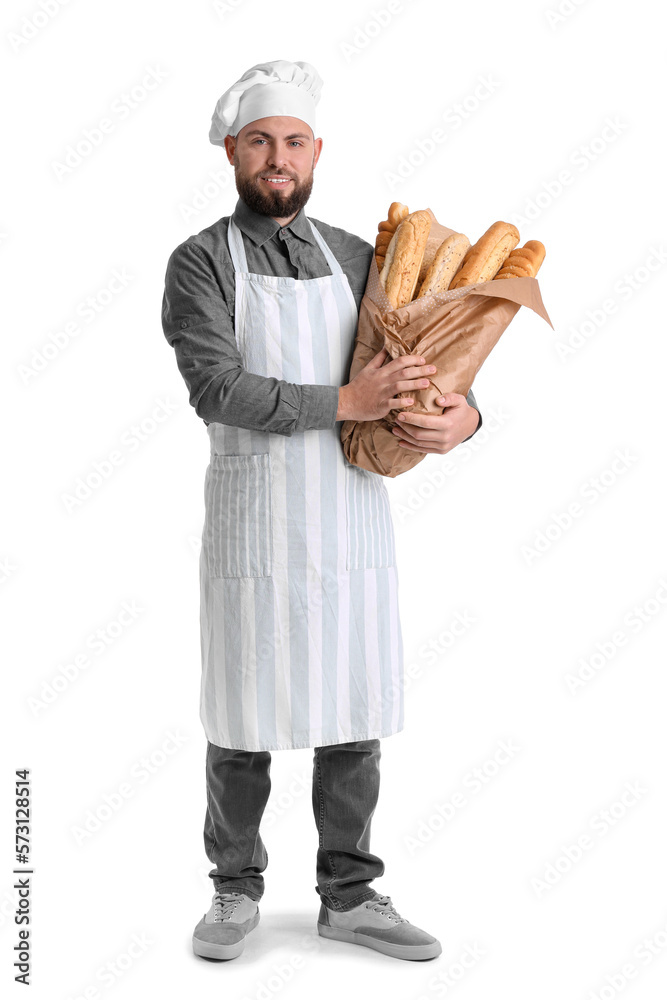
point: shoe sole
(411, 952)
(209, 949)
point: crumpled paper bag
(455, 331)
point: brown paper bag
(455, 331)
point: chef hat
(279, 87)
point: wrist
(342, 413)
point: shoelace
(225, 903)
(385, 906)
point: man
(300, 630)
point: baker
(300, 631)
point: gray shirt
(198, 319)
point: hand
(372, 393)
(438, 433)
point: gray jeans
(346, 783)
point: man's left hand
(438, 433)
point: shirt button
(183, 324)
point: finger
(400, 436)
(411, 447)
(409, 385)
(418, 437)
(450, 399)
(405, 361)
(378, 359)
(432, 421)
(399, 401)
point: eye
(293, 142)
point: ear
(317, 145)
(230, 146)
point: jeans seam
(361, 899)
(321, 823)
(208, 803)
(241, 888)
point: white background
(477, 530)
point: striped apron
(300, 631)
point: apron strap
(330, 259)
(236, 248)
(238, 255)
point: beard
(268, 202)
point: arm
(197, 324)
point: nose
(277, 155)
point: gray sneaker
(376, 924)
(221, 932)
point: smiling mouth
(277, 181)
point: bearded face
(279, 200)
(274, 159)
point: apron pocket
(370, 530)
(237, 536)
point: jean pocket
(237, 536)
(370, 529)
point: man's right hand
(372, 393)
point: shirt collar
(261, 228)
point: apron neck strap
(236, 248)
(238, 255)
(334, 266)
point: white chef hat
(279, 87)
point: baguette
(395, 216)
(485, 258)
(432, 246)
(445, 264)
(523, 262)
(386, 229)
(397, 212)
(382, 241)
(403, 258)
(513, 271)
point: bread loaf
(403, 259)
(412, 263)
(445, 264)
(386, 229)
(523, 262)
(433, 244)
(485, 258)
(397, 212)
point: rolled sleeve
(319, 406)
(197, 323)
(471, 401)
